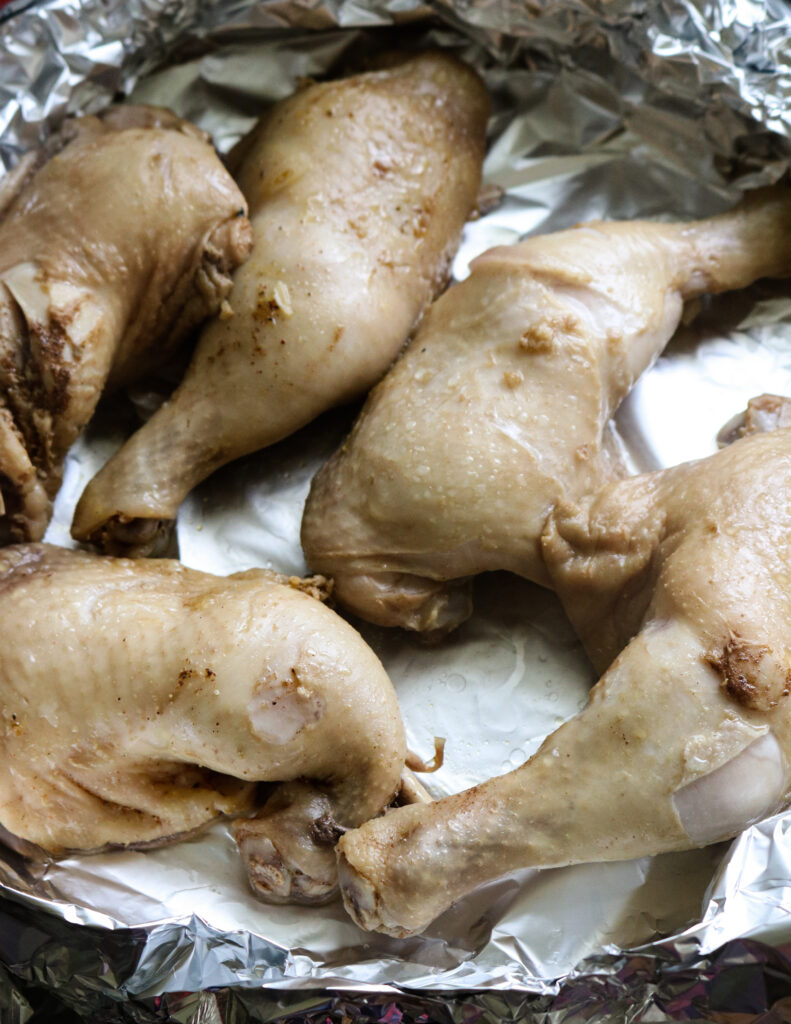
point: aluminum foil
(608, 108)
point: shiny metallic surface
(614, 109)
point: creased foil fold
(608, 108)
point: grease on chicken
(142, 699)
(500, 406)
(111, 250)
(358, 192)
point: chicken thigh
(358, 192)
(111, 251)
(142, 699)
(686, 738)
(500, 406)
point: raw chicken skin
(500, 405)
(140, 700)
(686, 738)
(109, 253)
(358, 192)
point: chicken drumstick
(109, 254)
(358, 192)
(500, 406)
(686, 738)
(142, 699)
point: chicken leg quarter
(110, 253)
(358, 193)
(141, 700)
(686, 738)
(500, 406)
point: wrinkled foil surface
(603, 108)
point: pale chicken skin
(500, 406)
(358, 192)
(142, 699)
(686, 738)
(111, 251)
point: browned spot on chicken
(764, 413)
(422, 217)
(583, 452)
(539, 337)
(543, 335)
(326, 831)
(123, 536)
(513, 378)
(357, 225)
(56, 362)
(750, 673)
(266, 308)
(316, 586)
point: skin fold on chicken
(500, 406)
(111, 250)
(358, 192)
(686, 738)
(142, 699)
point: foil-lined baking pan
(600, 109)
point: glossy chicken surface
(678, 583)
(111, 251)
(142, 699)
(499, 408)
(358, 192)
